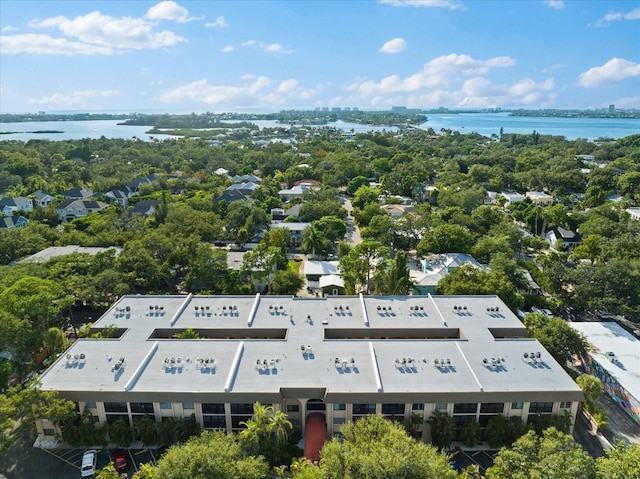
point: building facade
(343, 357)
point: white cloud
(76, 98)
(258, 91)
(423, 3)
(219, 23)
(8, 28)
(39, 44)
(618, 16)
(395, 45)
(118, 33)
(201, 92)
(439, 72)
(454, 80)
(628, 102)
(557, 4)
(615, 69)
(227, 49)
(169, 10)
(267, 47)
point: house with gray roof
(9, 206)
(77, 193)
(42, 198)
(69, 210)
(8, 222)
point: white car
(89, 459)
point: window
(540, 407)
(215, 408)
(115, 407)
(241, 409)
(90, 405)
(338, 421)
(465, 408)
(441, 406)
(188, 405)
(492, 407)
(418, 407)
(395, 409)
(96, 419)
(339, 407)
(516, 405)
(293, 408)
(49, 432)
(565, 405)
(141, 407)
(236, 420)
(214, 422)
(165, 406)
(364, 409)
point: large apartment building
(342, 357)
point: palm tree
(312, 239)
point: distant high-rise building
(336, 108)
(398, 108)
(612, 108)
(325, 108)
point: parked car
(120, 462)
(89, 460)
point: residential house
(281, 214)
(432, 269)
(331, 285)
(238, 191)
(397, 199)
(42, 198)
(246, 179)
(295, 228)
(539, 198)
(135, 184)
(298, 189)
(634, 213)
(396, 211)
(561, 236)
(145, 207)
(314, 271)
(55, 251)
(77, 193)
(221, 172)
(7, 222)
(231, 195)
(119, 196)
(71, 209)
(511, 197)
(9, 206)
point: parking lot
(25, 461)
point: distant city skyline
(249, 55)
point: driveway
(353, 232)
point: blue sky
(243, 55)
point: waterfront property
(342, 357)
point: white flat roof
(421, 345)
(53, 251)
(611, 337)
